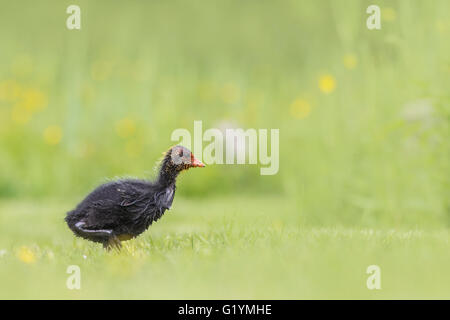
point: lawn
(219, 248)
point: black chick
(123, 209)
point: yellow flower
(300, 108)
(26, 255)
(53, 135)
(33, 100)
(327, 83)
(388, 14)
(125, 128)
(350, 61)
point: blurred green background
(364, 137)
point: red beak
(196, 163)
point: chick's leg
(113, 242)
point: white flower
(419, 111)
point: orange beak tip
(198, 163)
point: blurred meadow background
(364, 146)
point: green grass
(220, 248)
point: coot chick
(123, 209)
